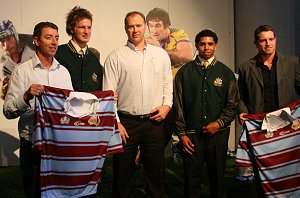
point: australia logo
(95, 77)
(218, 82)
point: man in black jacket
(269, 80)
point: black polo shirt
(271, 101)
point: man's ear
(35, 41)
(255, 43)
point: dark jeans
(209, 150)
(149, 135)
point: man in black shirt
(268, 81)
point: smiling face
(157, 30)
(266, 43)
(206, 47)
(135, 29)
(47, 43)
(82, 31)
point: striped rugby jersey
(73, 150)
(276, 158)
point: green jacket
(85, 70)
(204, 95)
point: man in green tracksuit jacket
(205, 102)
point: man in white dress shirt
(141, 76)
(27, 81)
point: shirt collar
(37, 63)
(77, 48)
(260, 62)
(209, 60)
(199, 61)
(131, 46)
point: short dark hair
(37, 32)
(159, 14)
(76, 14)
(206, 33)
(133, 13)
(262, 28)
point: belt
(135, 117)
(199, 131)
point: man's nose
(54, 41)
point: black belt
(136, 117)
(200, 131)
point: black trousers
(30, 167)
(169, 126)
(209, 150)
(149, 135)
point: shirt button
(83, 81)
(205, 117)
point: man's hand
(187, 144)
(211, 128)
(160, 113)
(33, 90)
(242, 119)
(123, 133)
(153, 41)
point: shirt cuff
(21, 104)
(168, 104)
(116, 112)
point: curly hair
(75, 15)
(159, 14)
(206, 33)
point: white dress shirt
(210, 60)
(79, 50)
(23, 76)
(142, 80)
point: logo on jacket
(95, 77)
(218, 82)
